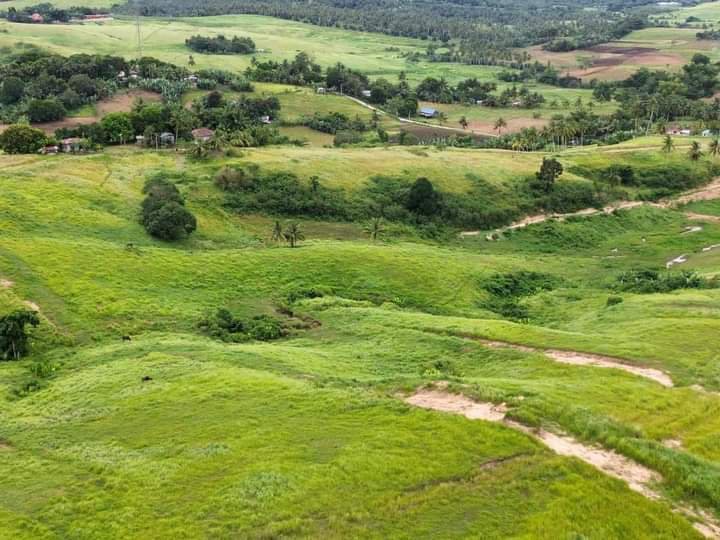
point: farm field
(175, 433)
(376, 55)
(655, 48)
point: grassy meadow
(274, 439)
(376, 55)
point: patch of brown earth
(513, 125)
(587, 359)
(635, 475)
(439, 400)
(50, 127)
(638, 477)
(706, 193)
(674, 444)
(6, 284)
(123, 102)
(702, 217)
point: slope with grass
(176, 434)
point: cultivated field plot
(376, 55)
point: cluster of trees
(163, 212)
(300, 71)
(334, 122)
(48, 13)
(250, 190)
(43, 87)
(648, 280)
(485, 32)
(221, 44)
(542, 73)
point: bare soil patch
(513, 125)
(638, 477)
(6, 283)
(635, 475)
(32, 305)
(439, 400)
(123, 102)
(588, 359)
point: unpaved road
(709, 192)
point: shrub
(13, 333)
(45, 110)
(613, 301)
(652, 281)
(18, 139)
(163, 214)
(223, 325)
(347, 137)
(520, 283)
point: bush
(18, 139)
(13, 334)
(652, 281)
(613, 301)
(223, 325)
(45, 110)
(164, 215)
(347, 137)
(520, 283)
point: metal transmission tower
(137, 27)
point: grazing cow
(147, 378)
(126, 338)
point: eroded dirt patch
(439, 400)
(124, 102)
(638, 477)
(587, 359)
(32, 305)
(6, 283)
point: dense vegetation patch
(163, 214)
(223, 325)
(221, 44)
(654, 281)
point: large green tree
(13, 333)
(19, 139)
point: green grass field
(376, 55)
(273, 439)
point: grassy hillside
(175, 434)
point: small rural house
(428, 112)
(320, 90)
(265, 119)
(167, 138)
(202, 134)
(37, 18)
(139, 140)
(366, 93)
(706, 133)
(50, 149)
(71, 144)
(677, 130)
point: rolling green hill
(176, 434)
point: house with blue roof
(428, 112)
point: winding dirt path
(587, 359)
(708, 192)
(638, 477)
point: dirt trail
(588, 359)
(638, 477)
(709, 192)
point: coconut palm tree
(714, 147)
(695, 151)
(668, 144)
(500, 123)
(293, 234)
(375, 228)
(277, 233)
